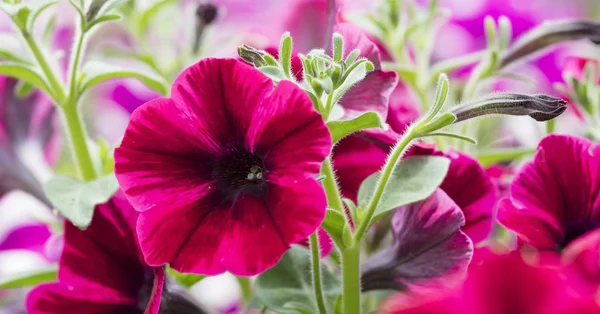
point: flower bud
(207, 13)
(548, 34)
(252, 56)
(539, 106)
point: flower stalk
(316, 272)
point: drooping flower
(502, 284)
(101, 269)
(556, 197)
(428, 250)
(224, 172)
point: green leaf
(334, 224)
(76, 199)
(341, 128)
(24, 72)
(38, 10)
(338, 47)
(23, 89)
(30, 278)
(440, 122)
(96, 73)
(11, 56)
(287, 287)
(454, 135)
(186, 280)
(21, 19)
(441, 93)
(104, 18)
(148, 15)
(413, 179)
(273, 72)
(285, 55)
(490, 157)
(355, 74)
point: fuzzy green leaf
(413, 179)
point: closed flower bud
(549, 34)
(539, 106)
(207, 13)
(252, 56)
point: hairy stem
(316, 272)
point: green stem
(397, 152)
(316, 272)
(57, 88)
(77, 138)
(246, 288)
(74, 67)
(351, 280)
(331, 189)
(71, 117)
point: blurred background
(163, 36)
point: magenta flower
(466, 183)
(556, 197)
(101, 269)
(583, 256)
(502, 284)
(429, 249)
(224, 172)
(374, 91)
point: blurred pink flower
(501, 284)
(555, 198)
(227, 167)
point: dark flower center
(576, 230)
(239, 170)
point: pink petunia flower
(556, 197)
(101, 269)
(224, 172)
(501, 284)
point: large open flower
(556, 197)
(224, 171)
(101, 269)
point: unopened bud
(207, 13)
(548, 34)
(539, 106)
(252, 56)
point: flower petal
(220, 95)
(428, 250)
(477, 201)
(560, 189)
(289, 133)
(60, 298)
(356, 38)
(370, 94)
(583, 254)
(105, 255)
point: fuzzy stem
(351, 280)
(331, 189)
(68, 103)
(397, 152)
(316, 272)
(57, 88)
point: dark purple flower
(429, 249)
